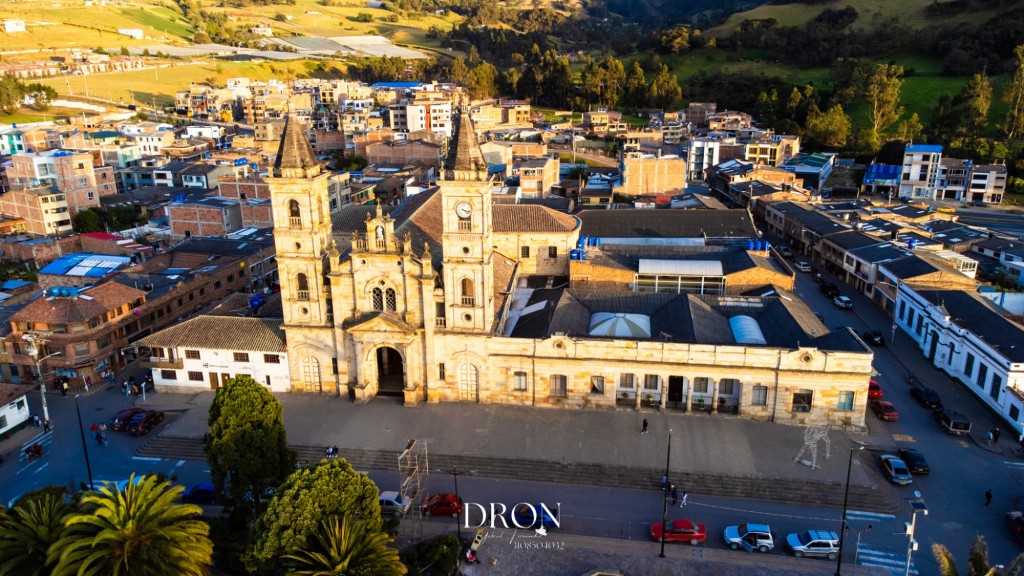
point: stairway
(807, 492)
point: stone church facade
(452, 298)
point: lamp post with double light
(846, 501)
(33, 347)
(455, 473)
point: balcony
(468, 301)
(294, 222)
(302, 294)
(163, 363)
(440, 322)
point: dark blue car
(202, 493)
(527, 517)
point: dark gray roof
(790, 207)
(251, 244)
(910, 211)
(819, 223)
(880, 253)
(735, 224)
(155, 285)
(851, 240)
(910, 267)
(1014, 247)
(983, 318)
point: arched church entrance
(390, 372)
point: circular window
(806, 358)
(304, 310)
(559, 345)
(298, 246)
(467, 317)
(465, 249)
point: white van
(802, 266)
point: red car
(874, 390)
(680, 530)
(442, 505)
(885, 410)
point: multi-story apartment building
(536, 175)
(921, 164)
(644, 174)
(432, 115)
(701, 154)
(76, 175)
(954, 179)
(988, 184)
(771, 149)
(203, 216)
(153, 143)
(697, 113)
(44, 210)
(404, 152)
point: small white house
(12, 26)
(132, 32)
(13, 407)
(202, 353)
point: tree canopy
(307, 498)
(346, 547)
(247, 440)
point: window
(982, 375)
(103, 342)
(467, 292)
(727, 386)
(231, 278)
(301, 286)
(1014, 412)
(390, 300)
(552, 251)
(273, 359)
(195, 376)
(180, 303)
(524, 251)
(440, 371)
(997, 387)
(559, 385)
(627, 381)
(597, 384)
(241, 356)
(82, 350)
(701, 385)
(294, 217)
(519, 381)
(651, 381)
(192, 354)
(378, 299)
(216, 285)
(334, 367)
(802, 400)
(969, 365)
(169, 374)
(760, 396)
(845, 402)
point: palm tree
(977, 561)
(347, 549)
(140, 531)
(28, 530)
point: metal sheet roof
(681, 267)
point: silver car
(816, 543)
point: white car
(802, 266)
(392, 504)
(843, 302)
(750, 537)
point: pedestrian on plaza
(675, 495)
(35, 421)
(46, 425)
(64, 388)
(996, 434)
(644, 429)
(94, 427)
(664, 480)
(683, 501)
(988, 497)
(88, 382)
(127, 390)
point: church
(455, 298)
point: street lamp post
(664, 499)
(916, 505)
(455, 473)
(846, 501)
(856, 552)
(85, 445)
(33, 344)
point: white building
(988, 184)
(12, 26)
(432, 115)
(701, 153)
(970, 339)
(131, 32)
(202, 353)
(921, 165)
(13, 407)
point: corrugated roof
(89, 304)
(924, 149)
(222, 333)
(681, 267)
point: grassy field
(29, 115)
(870, 13)
(62, 25)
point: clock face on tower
(463, 209)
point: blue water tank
(582, 242)
(256, 300)
(767, 246)
(583, 255)
(254, 166)
(73, 291)
(597, 241)
(750, 244)
(574, 254)
(912, 243)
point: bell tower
(467, 245)
(302, 227)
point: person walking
(675, 495)
(46, 425)
(644, 429)
(683, 501)
(988, 497)
(996, 434)
(64, 388)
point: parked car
(529, 517)
(120, 420)
(680, 530)
(392, 504)
(947, 209)
(915, 461)
(952, 422)
(894, 469)
(802, 266)
(750, 537)
(830, 290)
(843, 303)
(884, 410)
(787, 252)
(202, 493)
(144, 422)
(926, 397)
(443, 505)
(874, 337)
(814, 543)
(1015, 522)
(874, 390)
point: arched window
(467, 292)
(390, 299)
(294, 218)
(378, 299)
(302, 286)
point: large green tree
(27, 532)
(346, 548)
(636, 87)
(831, 128)
(11, 92)
(138, 531)
(88, 221)
(976, 98)
(308, 497)
(883, 95)
(247, 440)
(1013, 126)
(664, 90)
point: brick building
(651, 174)
(404, 152)
(43, 209)
(203, 216)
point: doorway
(390, 372)
(469, 383)
(213, 381)
(676, 393)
